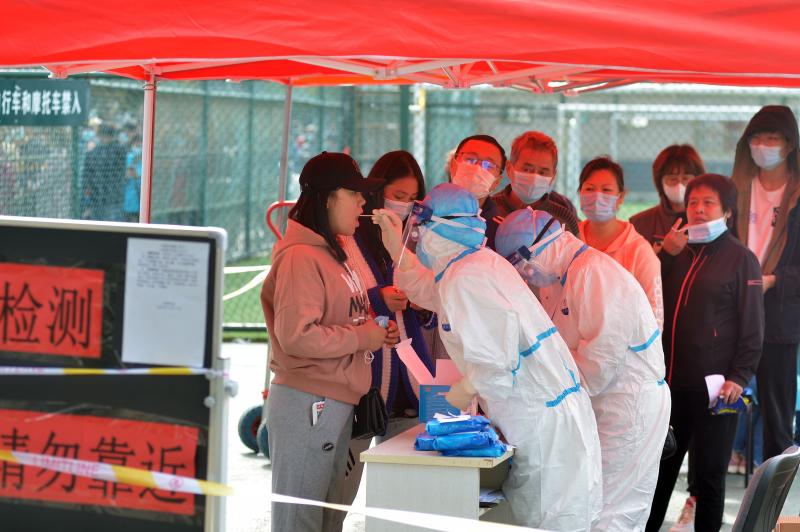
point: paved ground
(250, 475)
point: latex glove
(376, 335)
(461, 394)
(675, 239)
(391, 231)
(769, 282)
(392, 334)
(730, 392)
(395, 299)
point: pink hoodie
(636, 255)
(314, 306)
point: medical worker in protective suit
(606, 320)
(510, 355)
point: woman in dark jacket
(673, 169)
(714, 324)
(766, 173)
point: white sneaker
(685, 522)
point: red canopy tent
(535, 45)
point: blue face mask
(424, 259)
(599, 207)
(707, 232)
(425, 256)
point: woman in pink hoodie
(322, 332)
(602, 191)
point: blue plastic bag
(460, 441)
(722, 408)
(493, 451)
(424, 442)
(435, 427)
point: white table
(400, 478)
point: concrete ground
(250, 476)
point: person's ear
(453, 167)
(621, 199)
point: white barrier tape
(176, 483)
(255, 281)
(245, 269)
(113, 473)
(442, 523)
(19, 370)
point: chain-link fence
(218, 147)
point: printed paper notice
(166, 291)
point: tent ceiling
(536, 45)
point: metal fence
(218, 146)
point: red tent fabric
(460, 43)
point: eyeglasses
(486, 164)
(674, 179)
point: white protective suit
(606, 320)
(505, 345)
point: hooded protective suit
(508, 351)
(606, 320)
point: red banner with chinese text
(51, 310)
(146, 445)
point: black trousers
(709, 439)
(777, 388)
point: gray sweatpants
(307, 461)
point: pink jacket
(314, 306)
(636, 255)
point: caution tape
(252, 283)
(442, 523)
(245, 269)
(167, 371)
(176, 483)
(114, 473)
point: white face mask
(530, 187)
(400, 208)
(675, 193)
(475, 179)
(766, 157)
(707, 232)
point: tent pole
(148, 138)
(287, 128)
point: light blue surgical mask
(423, 257)
(400, 208)
(599, 207)
(766, 157)
(530, 187)
(707, 232)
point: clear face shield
(422, 219)
(523, 262)
(420, 214)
